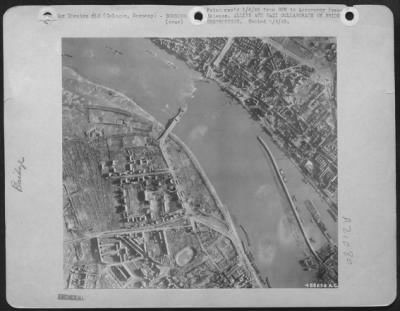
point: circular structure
(349, 16)
(47, 15)
(184, 256)
(198, 15)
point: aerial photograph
(199, 162)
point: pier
(289, 197)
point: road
(130, 230)
(163, 172)
(213, 225)
(110, 109)
(223, 52)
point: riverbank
(209, 74)
(223, 209)
(234, 94)
(260, 122)
(223, 138)
(228, 218)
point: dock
(289, 197)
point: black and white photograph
(200, 162)
(215, 156)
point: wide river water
(223, 138)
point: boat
(170, 64)
(151, 52)
(113, 50)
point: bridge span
(171, 124)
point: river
(224, 139)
